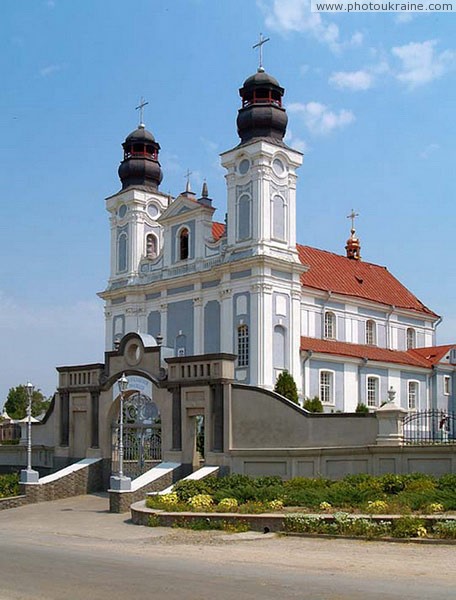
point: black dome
(140, 166)
(262, 114)
(140, 135)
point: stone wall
(82, 481)
(120, 501)
(12, 502)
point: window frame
(122, 235)
(329, 325)
(416, 393)
(180, 233)
(243, 345)
(410, 343)
(371, 333)
(376, 379)
(447, 385)
(329, 386)
(151, 235)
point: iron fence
(427, 427)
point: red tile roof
(218, 230)
(364, 351)
(433, 354)
(341, 275)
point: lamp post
(119, 482)
(28, 475)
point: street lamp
(119, 482)
(28, 475)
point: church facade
(348, 331)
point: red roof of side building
(410, 358)
(348, 277)
(342, 275)
(433, 354)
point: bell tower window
(151, 246)
(184, 244)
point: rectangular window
(326, 387)
(243, 346)
(412, 395)
(447, 385)
(372, 391)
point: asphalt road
(74, 549)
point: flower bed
(388, 494)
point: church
(348, 331)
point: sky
(370, 100)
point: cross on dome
(259, 45)
(140, 107)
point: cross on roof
(353, 216)
(260, 46)
(187, 176)
(140, 107)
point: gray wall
(212, 327)
(180, 318)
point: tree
(313, 405)
(286, 386)
(17, 401)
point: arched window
(411, 338)
(371, 333)
(327, 387)
(122, 252)
(373, 391)
(330, 325)
(244, 218)
(184, 244)
(243, 345)
(278, 218)
(151, 245)
(412, 395)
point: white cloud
(36, 339)
(296, 142)
(319, 119)
(404, 17)
(49, 70)
(430, 149)
(295, 15)
(421, 63)
(352, 80)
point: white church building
(348, 331)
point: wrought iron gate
(141, 438)
(433, 426)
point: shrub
(286, 386)
(362, 408)
(409, 527)
(227, 504)
(434, 507)
(200, 501)
(313, 405)
(171, 498)
(153, 521)
(377, 506)
(445, 530)
(275, 505)
(9, 485)
(326, 506)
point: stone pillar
(198, 334)
(390, 425)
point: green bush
(362, 408)
(409, 527)
(445, 530)
(313, 405)
(9, 485)
(286, 386)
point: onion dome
(140, 166)
(262, 114)
(353, 246)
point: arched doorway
(141, 435)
